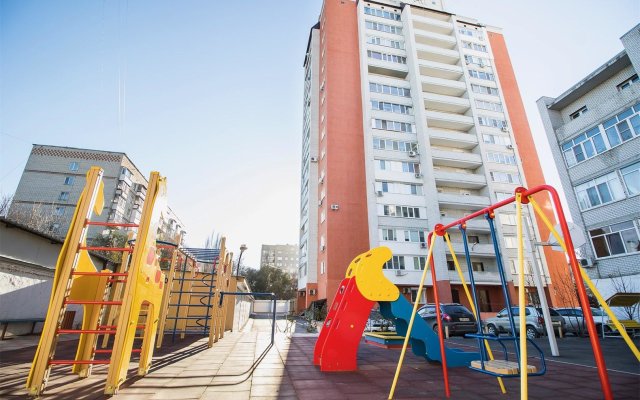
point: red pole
(582, 293)
(436, 297)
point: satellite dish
(576, 232)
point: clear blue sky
(212, 92)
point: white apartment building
(420, 121)
(594, 132)
(281, 256)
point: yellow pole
(413, 316)
(585, 277)
(473, 307)
(524, 373)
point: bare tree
(622, 285)
(5, 203)
(212, 241)
(38, 216)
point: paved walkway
(239, 368)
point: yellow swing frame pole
(412, 319)
(524, 373)
(585, 277)
(473, 307)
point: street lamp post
(243, 247)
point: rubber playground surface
(243, 366)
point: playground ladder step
(502, 367)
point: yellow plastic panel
(371, 282)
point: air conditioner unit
(320, 203)
(413, 153)
(314, 159)
(505, 129)
(379, 193)
(423, 245)
(418, 175)
(399, 272)
(509, 146)
(586, 262)
(313, 292)
(335, 207)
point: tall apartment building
(281, 256)
(594, 132)
(413, 117)
(54, 177)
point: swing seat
(502, 367)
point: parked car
(456, 317)
(534, 320)
(377, 323)
(574, 320)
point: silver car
(534, 320)
(574, 320)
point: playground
(165, 324)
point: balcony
(463, 202)
(437, 54)
(435, 39)
(388, 68)
(459, 180)
(455, 159)
(440, 70)
(459, 140)
(438, 119)
(451, 104)
(431, 24)
(445, 87)
(475, 225)
(476, 249)
(480, 277)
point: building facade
(54, 178)
(281, 256)
(594, 133)
(420, 122)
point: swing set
(487, 364)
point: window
(322, 268)
(515, 267)
(474, 46)
(414, 296)
(397, 145)
(398, 166)
(482, 62)
(386, 57)
(401, 211)
(628, 83)
(376, 26)
(389, 234)
(631, 178)
(419, 262)
(59, 211)
(382, 13)
(396, 44)
(508, 219)
(584, 146)
(473, 239)
(622, 127)
(496, 139)
(602, 190)
(477, 266)
(73, 166)
(501, 158)
(64, 196)
(500, 196)
(481, 75)
(393, 125)
(491, 122)
(505, 177)
(480, 89)
(416, 236)
(615, 239)
(396, 262)
(399, 188)
(390, 107)
(69, 180)
(489, 105)
(386, 89)
(578, 113)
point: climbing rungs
(102, 302)
(73, 362)
(502, 367)
(79, 331)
